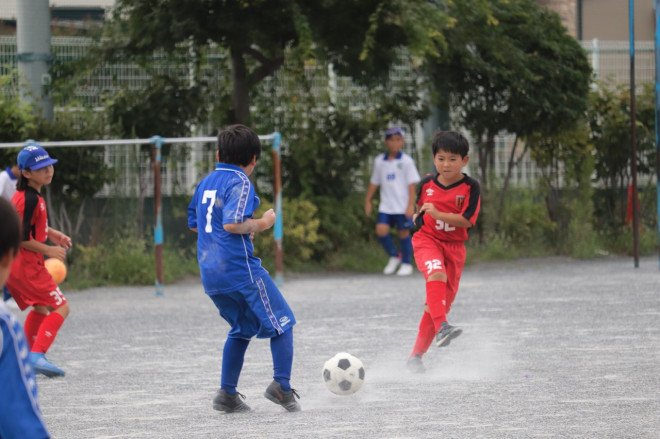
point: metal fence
(609, 59)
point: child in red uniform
(29, 282)
(447, 205)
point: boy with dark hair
(396, 175)
(8, 179)
(448, 204)
(20, 416)
(221, 214)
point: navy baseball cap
(34, 157)
(394, 130)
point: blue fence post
(157, 143)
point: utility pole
(33, 54)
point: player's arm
(367, 199)
(252, 225)
(453, 219)
(59, 238)
(52, 251)
(410, 209)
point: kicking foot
(446, 334)
(225, 402)
(41, 365)
(287, 400)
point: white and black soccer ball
(343, 374)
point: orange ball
(57, 269)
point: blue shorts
(402, 222)
(258, 309)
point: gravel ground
(550, 348)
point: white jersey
(394, 177)
(7, 184)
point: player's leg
(277, 321)
(425, 335)
(454, 262)
(383, 225)
(404, 226)
(32, 323)
(48, 299)
(244, 324)
(430, 259)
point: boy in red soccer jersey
(447, 206)
(29, 282)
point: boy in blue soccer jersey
(20, 416)
(221, 213)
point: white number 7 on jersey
(209, 195)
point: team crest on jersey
(429, 192)
(460, 200)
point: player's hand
(59, 238)
(367, 208)
(430, 209)
(410, 210)
(252, 236)
(56, 252)
(268, 219)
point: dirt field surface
(552, 348)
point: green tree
(259, 35)
(609, 123)
(511, 68)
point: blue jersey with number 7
(226, 260)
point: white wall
(8, 7)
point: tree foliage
(358, 37)
(511, 67)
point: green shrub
(125, 261)
(300, 225)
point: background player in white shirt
(396, 175)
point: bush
(125, 261)
(300, 226)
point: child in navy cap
(29, 282)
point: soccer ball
(56, 268)
(343, 374)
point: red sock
(31, 326)
(424, 336)
(47, 332)
(436, 301)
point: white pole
(33, 53)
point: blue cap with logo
(394, 130)
(34, 157)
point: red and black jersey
(462, 197)
(31, 209)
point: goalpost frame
(157, 143)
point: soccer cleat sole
(444, 341)
(223, 408)
(291, 407)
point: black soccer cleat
(415, 364)
(225, 402)
(446, 334)
(287, 400)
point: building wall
(609, 20)
(606, 20)
(567, 10)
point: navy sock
(388, 244)
(281, 347)
(232, 363)
(406, 249)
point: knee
(404, 233)
(382, 230)
(438, 275)
(63, 310)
